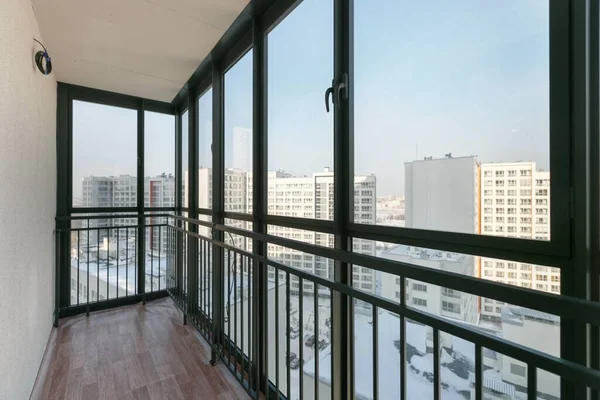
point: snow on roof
(495, 385)
(389, 361)
(516, 315)
(422, 254)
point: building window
(451, 307)
(419, 287)
(419, 302)
(519, 370)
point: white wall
(27, 200)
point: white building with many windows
(432, 298)
(515, 202)
(313, 197)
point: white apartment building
(440, 194)
(515, 202)
(121, 191)
(431, 298)
(532, 329)
(313, 197)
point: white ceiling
(146, 48)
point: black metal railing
(112, 260)
(279, 364)
(273, 324)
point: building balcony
(161, 161)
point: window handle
(342, 86)
(341, 92)
(328, 93)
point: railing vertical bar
(228, 266)
(201, 288)
(208, 278)
(159, 254)
(531, 382)
(118, 256)
(478, 372)
(78, 253)
(287, 333)
(98, 267)
(209, 290)
(87, 263)
(151, 258)
(135, 259)
(242, 313)
(107, 264)
(250, 324)
(203, 285)
(235, 311)
(436, 364)
(301, 338)
(276, 319)
(317, 344)
(403, 325)
(375, 326)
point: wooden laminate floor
(134, 352)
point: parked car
(310, 341)
(291, 358)
(294, 333)
(295, 363)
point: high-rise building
(515, 202)
(440, 194)
(121, 191)
(313, 197)
(431, 298)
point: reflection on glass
(185, 140)
(159, 160)
(205, 150)
(104, 156)
(455, 129)
(300, 130)
(238, 135)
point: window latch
(341, 92)
(329, 92)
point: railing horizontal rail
(112, 216)
(103, 228)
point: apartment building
(440, 194)
(515, 202)
(431, 298)
(313, 197)
(121, 191)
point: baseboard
(37, 392)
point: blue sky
(468, 77)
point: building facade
(441, 194)
(515, 202)
(313, 197)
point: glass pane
(454, 123)
(204, 150)
(159, 160)
(185, 140)
(300, 129)
(104, 156)
(238, 134)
